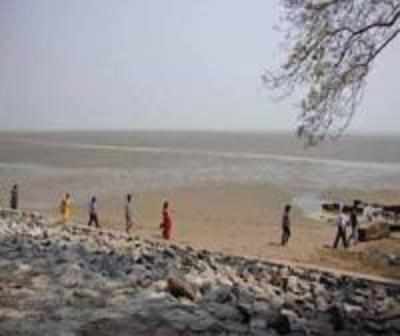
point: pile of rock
(374, 231)
(74, 281)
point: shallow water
(111, 161)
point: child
(166, 224)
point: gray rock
(394, 324)
(280, 323)
(78, 281)
(179, 287)
(337, 318)
(72, 276)
(222, 294)
(223, 312)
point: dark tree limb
(332, 46)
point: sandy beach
(221, 201)
(245, 220)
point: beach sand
(226, 191)
(239, 219)
(245, 220)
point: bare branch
(331, 45)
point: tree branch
(332, 47)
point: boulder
(281, 323)
(223, 312)
(337, 318)
(179, 287)
(374, 231)
(221, 294)
(72, 281)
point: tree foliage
(332, 46)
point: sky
(156, 64)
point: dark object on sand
(392, 211)
(394, 227)
(330, 207)
(347, 209)
(374, 231)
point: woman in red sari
(166, 224)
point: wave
(232, 155)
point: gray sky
(173, 64)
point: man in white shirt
(341, 234)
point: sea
(151, 160)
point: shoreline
(245, 220)
(235, 218)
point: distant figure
(286, 225)
(65, 208)
(129, 218)
(14, 197)
(368, 213)
(354, 226)
(341, 234)
(93, 216)
(166, 224)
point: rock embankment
(72, 281)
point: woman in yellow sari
(65, 208)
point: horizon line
(199, 130)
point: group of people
(342, 223)
(130, 221)
(65, 209)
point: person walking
(354, 226)
(286, 225)
(65, 208)
(14, 197)
(129, 216)
(93, 215)
(166, 224)
(341, 234)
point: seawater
(161, 159)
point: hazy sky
(155, 64)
